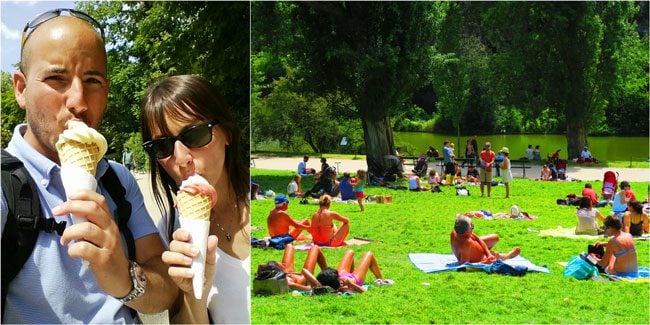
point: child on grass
(357, 184)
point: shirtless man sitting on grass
(474, 249)
(279, 221)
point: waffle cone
(194, 206)
(84, 155)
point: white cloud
(25, 3)
(9, 33)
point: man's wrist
(138, 283)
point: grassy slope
(421, 222)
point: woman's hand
(179, 259)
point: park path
(586, 173)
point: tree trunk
(379, 143)
(576, 137)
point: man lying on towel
(468, 247)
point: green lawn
(421, 223)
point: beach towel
(571, 233)
(432, 263)
(643, 275)
(355, 241)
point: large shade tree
(375, 53)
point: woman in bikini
(323, 231)
(635, 222)
(296, 280)
(346, 278)
(620, 252)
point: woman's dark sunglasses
(195, 136)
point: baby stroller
(610, 185)
(421, 166)
(561, 168)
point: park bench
(410, 160)
(461, 161)
(520, 163)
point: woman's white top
(230, 295)
(229, 298)
(587, 222)
(292, 187)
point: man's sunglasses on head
(33, 24)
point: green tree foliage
(12, 114)
(559, 56)
(148, 40)
(374, 53)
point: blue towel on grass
(431, 263)
(642, 274)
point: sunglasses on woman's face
(195, 136)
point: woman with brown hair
(187, 129)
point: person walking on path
(127, 158)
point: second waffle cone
(194, 206)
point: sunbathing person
(296, 280)
(546, 174)
(415, 184)
(635, 222)
(468, 247)
(587, 216)
(472, 175)
(347, 278)
(620, 253)
(279, 221)
(294, 189)
(323, 230)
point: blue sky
(13, 17)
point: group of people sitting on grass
(320, 228)
(625, 206)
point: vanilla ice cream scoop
(82, 146)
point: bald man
(62, 78)
(468, 247)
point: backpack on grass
(25, 220)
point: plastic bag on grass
(580, 269)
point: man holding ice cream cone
(84, 275)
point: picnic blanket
(571, 233)
(432, 263)
(488, 215)
(355, 241)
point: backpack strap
(24, 220)
(122, 213)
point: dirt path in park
(586, 173)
